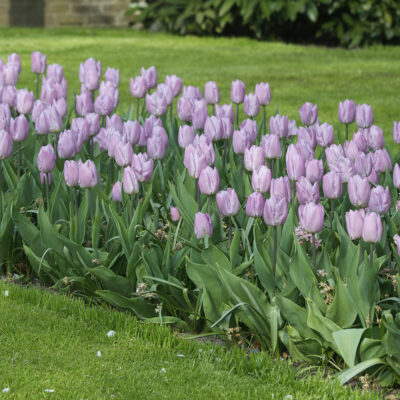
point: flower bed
(206, 221)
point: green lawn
(49, 341)
(296, 73)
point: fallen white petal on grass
(49, 390)
(163, 370)
(288, 397)
(110, 333)
(99, 354)
(6, 390)
(6, 294)
(180, 355)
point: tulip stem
(170, 113)
(91, 205)
(132, 202)
(230, 231)
(237, 116)
(314, 253)
(47, 192)
(225, 152)
(210, 205)
(347, 131)
(371, 254)
(19, 159)
(271, 164)
(265, 120)
(37, 85)
(0, 174)
(198, 195)
(275, 254)
(213, 109)
(76, 207)
(332, 209)
(361, 252)
(137, 109)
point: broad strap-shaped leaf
(347, 341)
(350, 373)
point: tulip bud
(138, 87)
(379, 200)
(314, 170)
(306, 191)
(261, 179)
(271, 146)
(239, 142)
(255, 205)
(228, 202)
(71, 173)
(192, 93)
(56, 72)
(238, 91)
(375, 138)
(263, 93)
(112, 75)
(307, 136)
(360, 141)
(66, 146)
(164, 90)
(363, 164)
(131, 131)
(332, 185)
(184, 109)
(227, 128)
(9, 96)
(381, 161)
(156, 148)
(396, 176)
(87, 174)
(275, 211)
(295, 164)
(213, 128)
(396, 132)
(84, 104)
(364, 116)
(253, 158)
(130, 181)
(156, 104)
(211, 93)
(202, 225)
(311, 217)
(6, 144)
(359, 191)
(372, 228)
(175, 84)
(292, 131)
(46, 159)
(117, 192)
(396, 239)
(373, 177)
(209, 181)
(279, 126)
(194, 160)
(93, 121)
(280, 188)
(19, 128)
(347, 112)
(250, 127)
(308, 114)
(345, 168)
(143, 166)
(104, 105)
(39, 62)
(11, 73)
(350, 149)
(186, 135)
(199, 114)
(355, 223)
(225, 111)
(123, 154)
(175, 214)
(150, 75)
(251, 105)
(333, 153)
(25, 101)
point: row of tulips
(206, 221)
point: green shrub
(353, 23)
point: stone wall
(53, 13)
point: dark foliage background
(331, 22)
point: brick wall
(53, 13)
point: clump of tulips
(216, 212)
